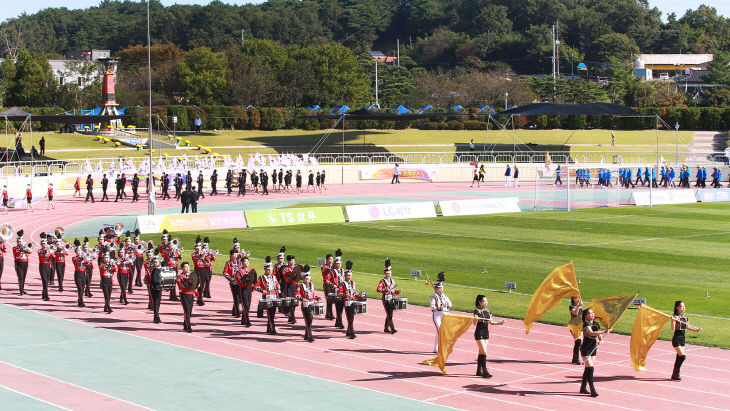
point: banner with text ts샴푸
(294, 216)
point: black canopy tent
(17, 114)
(590, 109)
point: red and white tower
(108, 96)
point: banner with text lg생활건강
(480, 206)
(392, 211)
(294, 216)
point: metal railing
(76, 166)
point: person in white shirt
(440, 304)
(396, 175)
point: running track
(530, 372)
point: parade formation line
(62, 356)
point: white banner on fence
(480, 206)
(191, 222)
(712, 195)
(394, 211)
(641, 198)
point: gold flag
(648, 325)
(452, 327)
(559, 284)
(607, 310)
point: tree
(29, 88)
(615, 45)
(203, 76)
(720, 69)
(339, 77)
(7, 79)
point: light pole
(505, 100)
(151, 187)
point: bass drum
(167, 278)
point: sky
(14, 8)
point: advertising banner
(641, 198)
(191, 222)
(712, 195)
(393, 211)
(480, 206)
(294, 216)
(386, 173)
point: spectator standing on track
(483, 318)
(323, 176)
(50, 197)
(104, 186)
(396, 175)
(507, 175)
(229, 182)
(242, 183)
(77, 187)
(646, 176)
(90, 189)
(638, 177)
(214, 183)
(716, 177)
(557, 176)
(310, 181)
(186, 198)
(475, 178)
(481, 173)
(264, 183)
(194, 197)
(653, 178)
(135, 188)
(28, 198)
(201, 180)
(517, 177)
(42, 145)
(592, 337)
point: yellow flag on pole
(607, 310)
(559, 284)
(648, 325)
(452, 327)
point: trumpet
(214, 252)
(175, 242)
(6, 232)
(118, 229)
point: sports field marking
(658, 238)
(70, 383)
(197, 350)
(41, 345)
(34, 398)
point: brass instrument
(213, 252)
(140, 248)
(151, 243)
(59, 232)
(52, 248)
(6, 232)
(29, 247)
(68, 246)
(118, 229)
(112, 247)
(175, 242)
(232, 278)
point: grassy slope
(666, 253)
(264, 139)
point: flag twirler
(648, 325)
(607, 310)
(559, 284)
(452, 327)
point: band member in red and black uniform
(89, 256)
(387, 288)
(346, 292)
(336, 277)
(268, 285)
(45, 257)
(138, 249)
(305, 293)
(280, 264)
(155, 285)
(124, 266)
(51, 248)
(172, 256)
(79, 272)
(680, 324)
(148, 266)
(2, 259)
(199, 264)
(162, 247)
(209, 258)
(20, 253)
(290, 285)
(59, 261)
(230, 271)
(188, 284)
(591, 338)
(107, 269)
(576, 309)
(245, 278)
(130, 252)
(327, 287)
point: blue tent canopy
(403, 110)
(314, 108)
(582, 66)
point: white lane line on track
(41, 345)
(74, 385)
(34, 398)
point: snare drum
(400, 303)
(362, 296)
(331, 296)
(168, 277)
(361, 307)
(285, 302)
(317, 309)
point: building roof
(694, 76)
(676, 59)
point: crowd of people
(624, 177)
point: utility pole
(377, 103)
(553, 61)
(557, 47)
(571, 66)
(397, 47)
(242, 37)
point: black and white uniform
(440, 304)
(482, 329)
(680, 327)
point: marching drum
(362, 296)
(400, 303)
(361, 307)
(331, 296)
(317, 309)
(168, 277)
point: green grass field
(666, 253)
(408, 140)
